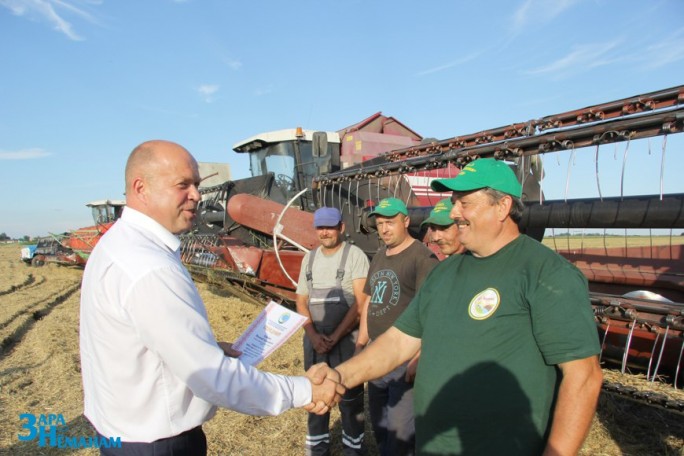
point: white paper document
(271, 329)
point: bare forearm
(353, 317)
(302, 307)
(577, 397)
(350, 321)
(363, 338)
(384, 354)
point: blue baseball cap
(327, 216)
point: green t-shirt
(492, 331)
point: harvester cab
(287, 164)
(287, 161)
(106, 211)
(259, 227)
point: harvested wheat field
(39, 374)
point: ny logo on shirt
(386, 289)
(379, 292)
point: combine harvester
(73, 248)
(252, 233)
(245, 236)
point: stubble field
(40, 374)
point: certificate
(271, 329)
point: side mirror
(319, 144)
(324, 166)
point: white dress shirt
(150, 363)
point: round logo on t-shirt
(484, 304)
(385, 292)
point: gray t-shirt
(324, 271)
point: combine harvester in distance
(73, 248)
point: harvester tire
(38, 261)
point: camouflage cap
(439, 215)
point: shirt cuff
(302, 391)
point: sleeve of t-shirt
(562, 317)
(366, 287)
(425, 264)
(409, 320)
(302, 286)
(359, 263)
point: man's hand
(411, 368)
(321, 343)
(228, 349)
(333, 339)
(326, 389)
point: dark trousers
(351, 414)
(351, 406)
(189, 443)
(390, 403)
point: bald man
(152, 369)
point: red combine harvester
(74, 248)
(252, 233)
(241, 229)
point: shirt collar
(134, 217)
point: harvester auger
(637, 291)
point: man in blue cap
(395, 274)
(506, 334)
(329, 293)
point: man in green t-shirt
(506, 333)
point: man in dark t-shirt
(394, 276)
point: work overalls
(328, 307)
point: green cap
(481, 173)
(389, 207)
(439, 215)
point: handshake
(326, 388)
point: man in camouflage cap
(442, 230)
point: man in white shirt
(152, 369)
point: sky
(83, 82)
